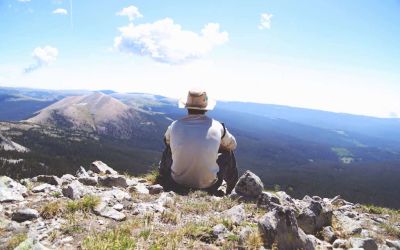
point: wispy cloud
(166, 41)
(60, 11)
(43, 57)
(265, 21)
(24, 1)
(132, 12)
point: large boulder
(25, 214)
(75, 190)
(11, 190)
(249, 185)
(67, 178)
(50, 179)
(235, 214)
(100, 167)
(280, 227)
(314, 215)
(113, 181)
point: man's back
(194, 141)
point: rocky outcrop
(56, 212)
(280, 227)
(249, 185)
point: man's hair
(196, 112)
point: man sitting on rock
(199, 150)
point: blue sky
(335, 55)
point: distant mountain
(95, 112)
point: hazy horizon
(336, 56)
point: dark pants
(227, 172)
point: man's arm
(228, 141)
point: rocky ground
(100, 209)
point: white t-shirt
(194, 141)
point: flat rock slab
(25, 214)
(103, 210)
(50, 179)
(113, 181)
(100, 167)
(11, 190)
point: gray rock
(267, 200)
(67, 178)
(280, 225)
(103, 210)
(50, 179)
(74, 191)
(118, 207)
(235, 214)
(340, 243)
(115, 194)
(393, 244)
(219, 229)
(314, 216)
(113, 181)
(25, 214)
(44, 188)
(89, 181)
(100, 167)
(364, 243)
(81, 172)
(132, 181)
(155, 189)
(140, 188)
(11, 190)
(349, 226)
(166, 199)
(249, 185)
(285, 199)
(244, 234)
(328, 234)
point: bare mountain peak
(94, 112)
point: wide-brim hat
(197, 99)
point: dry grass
(85, 204)
(170, 216)
(52, 209)
(17, 239)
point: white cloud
(42, 56)
(265, 21)
(165, 41)
(131, 12)
(24, 1)
(60, 11)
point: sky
(333, 55)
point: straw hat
(197, 99)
